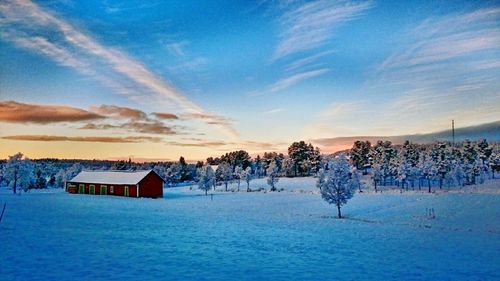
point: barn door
(81, 189)
(92, 189)
(126, 191)
(104, 190)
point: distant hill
(489, 131)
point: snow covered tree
(408, 158)
(183, 169)
(224, 173)
(238, 174)
(441, 157)
(384, 155)
(288, 167)
(272, 175)
(236, 158)
(337, 184)
(305, 157)
(470, 159)
(259, 167)
(247, 176)
(377, 176)
(485, 151)
(458, 173)
(173, 173)
(206, 178)
(429, 170)
(359, 155)
(19, 172)
(40, 181)
(495, 159)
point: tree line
(440, 164)
(409, 165)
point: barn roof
(111, 177)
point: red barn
(120, 183)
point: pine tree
(442, 158)
(470, 159)
(360, 154)
(305, 158)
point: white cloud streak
(438, 40)
(447, 68)
(306, 61)
(75, 49)
(312, 24)
(294, 79)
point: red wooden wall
(151, 186)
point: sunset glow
(160, 79)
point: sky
(154, 80)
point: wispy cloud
(442, 40)
(46, 138)
(177, 48)
(291, 80)
(273, 111)
(16, 112)
(113, 8)
(306, 60)
(445, 68)
(210, 118)
(23, 22)
(188, 66)
(313, 24)
(339, 109)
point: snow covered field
(289, 235)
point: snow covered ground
(291, 235)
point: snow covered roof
(111, 177)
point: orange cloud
(147, 127)
(132, 139)
(161, 115)
(16, 112)
(118, 111)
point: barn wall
(151, 186)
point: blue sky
(240, 74)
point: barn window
(111, 189)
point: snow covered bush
(337, 184)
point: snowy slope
(249, 236)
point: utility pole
(453, 131)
